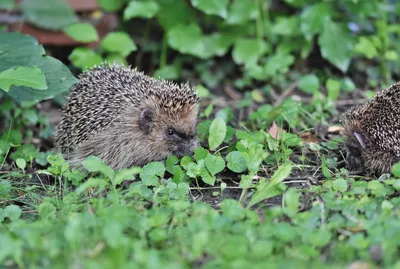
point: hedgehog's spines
(376, 121)
(102, 111)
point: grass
(253, 200)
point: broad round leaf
(95, 164)
(278, 64)
(217, 133)
(84, 58)
(336, 45)
(214, 164)
(242, 11)
(236, 162)
(21, 163)
(174, 13)
(111, 5)
(13, 212)
(54, 14)
(186, 39)
(150, 173)
(31, 77)
(313, 18)
(118, 42)
(82, 32)
(23, 50)
(242, 54)
(212, 7)
(309, 83)
(216, 44)
(366, 47)
(141, 9)
(396, 169)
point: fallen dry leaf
(359, 265)
(335, 129)
(308, 137)
(275, 131)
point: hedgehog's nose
(194, 144)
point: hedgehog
(372, 133)
(127, 118)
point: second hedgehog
(372, 133)
(127, 118)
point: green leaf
(202, 91)
(23, 50)
(12, 212)
(21, 163)
(112, 233)
(47, 211)
(170, 164)
(391, 55)
(150, 173)
(214, 164)
(7, 4)
(333, 87)
(364, 9)
(320, 237)
(267, 189)
(186, 39)
(171, 72)
(292, 198)
(95, 164)
(111, 5)
(84, 58)
(91, 183)
(53, 15)
(286, 26)
(141, 9)
(313, 19)
(309, 84)
(174, 13)
(243, 55)
(200, 153)
(348, 85)
(236, 162)
(278, 63)
(366, 47)
(336, 45)
(126, 174)
(31, 77)
(212, 7)
(118, 42)
(82, 32)
(5, 189)
(340, 185)
(217, 133)
(396, 169)
(215, 44)
(206, 176)
(242, 11)
(26, 152)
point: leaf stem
(259, 22)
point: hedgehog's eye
(171, 132)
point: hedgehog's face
(356, 145)
(171, 133)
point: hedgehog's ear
(146, 120)
(361, 139)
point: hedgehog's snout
(193, 145)
(186, 148)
